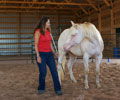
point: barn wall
(16, 31)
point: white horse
(80, 40)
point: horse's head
(74, 37)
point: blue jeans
(48, 58)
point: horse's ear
(72, 22)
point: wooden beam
(107, 3)
(32, 1)
(112, 15)
(34, 11)
(68, 1)
(35, 0)
(112, 18)
(45, 3)
(83, 9)
(41, 8)
(75, 12)
(92, 4)
(99, 20)
(113, 28)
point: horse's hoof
(86, 87)
(98, 86)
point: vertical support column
(99, 20)
(112, 21)
(113, 36)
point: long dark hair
(41, 25)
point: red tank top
(44, 42)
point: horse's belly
(76, 50)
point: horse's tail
(63, 68)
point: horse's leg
(60, 60)
(85, 60)
(98, 61)
(70, 64)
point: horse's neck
(91, 33)
(97, 41)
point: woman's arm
(53, 50)
(36, 39)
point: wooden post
(99, 20)
(112, 23)
(113, 36)
(112, 20)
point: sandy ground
(19, 82)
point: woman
(44, 54)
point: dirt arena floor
(19, 82)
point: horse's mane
(89, 31)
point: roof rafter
(33, 11)
(107, 3)
(76, 13)
(92, 4)
(68, 0)
(35, 0)
(45, 3)
(24, 7)
(83, 9)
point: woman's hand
(56, 54)
(39, 59)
